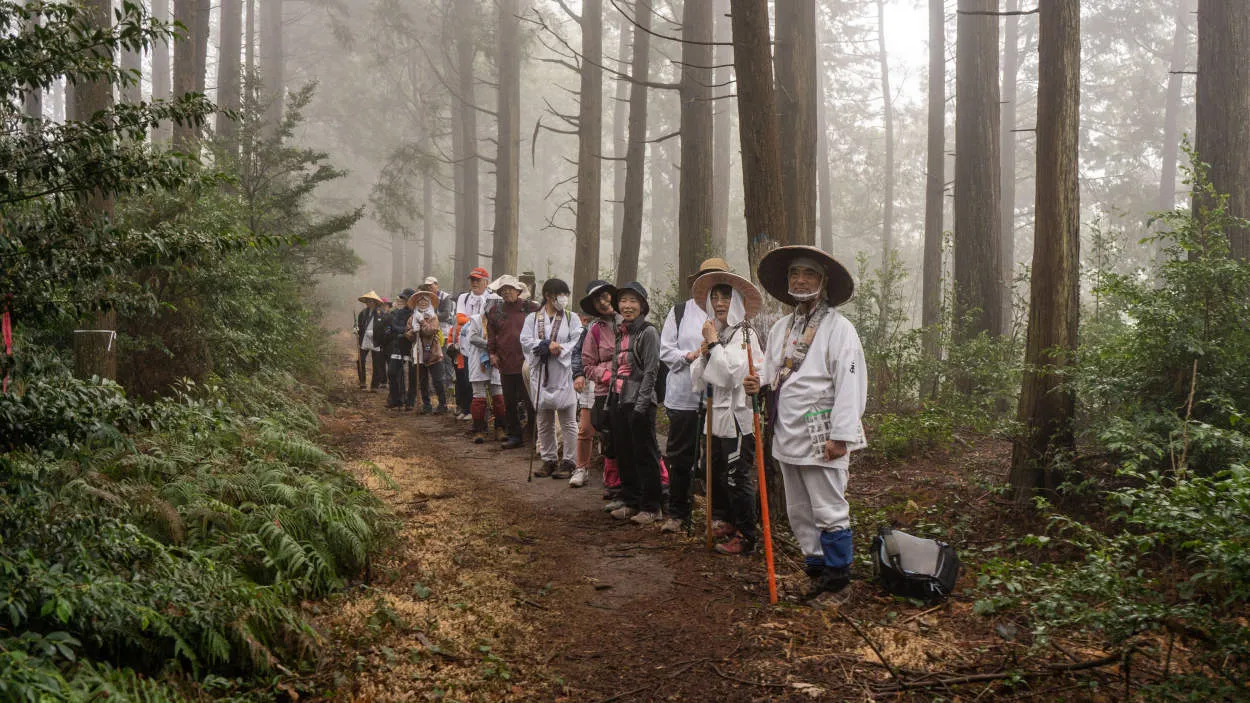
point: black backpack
(914, 567)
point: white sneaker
(646, 518)
(613, 506)
(624, 513)
(579, 478)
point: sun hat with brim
(632, 287)
(593, 290)
(506, 281)
(774, 274)
(371, 295)
(423, 294)
(752, 299)
(709, 265)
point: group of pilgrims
(571, 375)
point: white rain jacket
(679, 393)
(551, 383)
(474, 348)
(725, 368)
(832, 377)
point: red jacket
(503, 333)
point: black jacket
(396, 323)
(364, 319)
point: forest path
(506, 589)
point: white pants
(815, 503)
(547, 419)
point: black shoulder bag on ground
(914, 567)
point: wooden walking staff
(759, 468)
(707, 465)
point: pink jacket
(597, 355)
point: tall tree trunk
(162, 88)
(1222, 136)
(663, 193)
(636, 153)
(427, 209)
(203, 24)
(620, 144)
(229, 55)
(935, 182)
(796, 108)
(1172, 109)
(1007, 150)
(466, 55)
(887, 107)
(978, 215)
(722, 134)
(455, 114)
(272, 58)
(589, 146)
(184, 68)
(824, 172)
(1046, 404)
(32, 98)
(507, 156)
(398, 281)
(95, 347)
(132, 63)
(694, 203)
(249, 54)
(757, 129)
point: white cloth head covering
(737, 311)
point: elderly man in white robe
(815, 381)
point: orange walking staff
(759, 468)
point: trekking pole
(759, 468)
(707, 463)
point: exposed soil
(502, 588)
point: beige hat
(412, 302)
(774, 273)
(371, 295)
(713, 264)
(430, 281)
(752, 299)
(506, 281)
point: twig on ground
(921, 614)
(855, 626)
(763, 684)
(623, 694)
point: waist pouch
(914, 567)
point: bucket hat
(637, 289)
(593, 289)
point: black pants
(513, 395)
(682, 456)
(433, 375)
(403, 383)
(464, 390)
(379, 367)
(733, 467)
(601, 420)
(637, 457)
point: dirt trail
(506, 589)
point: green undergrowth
(169, 541)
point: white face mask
(562, 301)
(804, 297)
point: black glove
(542, 350)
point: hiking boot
(830, 580)
(563, 470)
(579, 478)
(645, 517)
(624, 513)
(671, 525)
(479, 438)
(722, 529)
(513, 443)
(613, 506)
(545, 470)
(736, 546)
